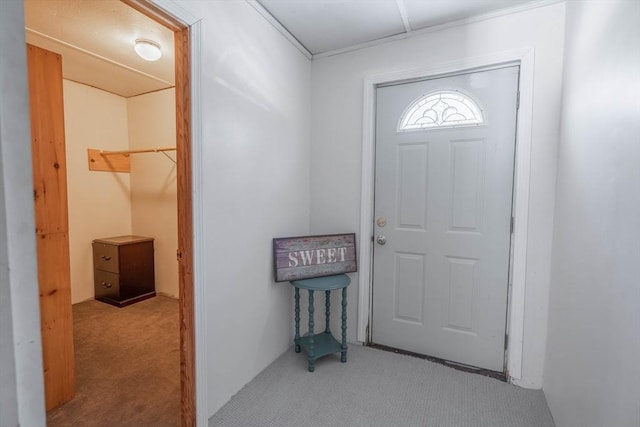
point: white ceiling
(323, 26)
(96, 38)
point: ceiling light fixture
(148, 49)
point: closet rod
(149, 150)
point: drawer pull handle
(106, 285)
(105, 258)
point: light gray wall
(592, 370)
(256, 156)
(8, 392)
(337, 108)
(22, 389)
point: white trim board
(281, 28)
(402, 9)
(515, 325)
(175, 9)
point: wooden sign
(305, 257)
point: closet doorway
(59, 315)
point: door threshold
(500, 376)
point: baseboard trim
(84, 300)
(165, 294)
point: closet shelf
(119, 161)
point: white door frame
(177, 11)
(515, 309)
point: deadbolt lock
(382, 221)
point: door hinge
(506, 342)
(518, 101)
(178, 255)
(512, 224)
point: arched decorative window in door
(441, 109)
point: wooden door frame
(44, 72)
(515, 308)
(188, 142)
(185, 228)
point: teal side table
(318, 345)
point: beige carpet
(127, 366)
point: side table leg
(310, 356)
(327, 310)
(296, 340)
(343, 356)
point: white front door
(443, 194)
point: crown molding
(415, 33)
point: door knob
(380, 239)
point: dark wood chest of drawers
(123, 269)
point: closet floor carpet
(127, 364)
